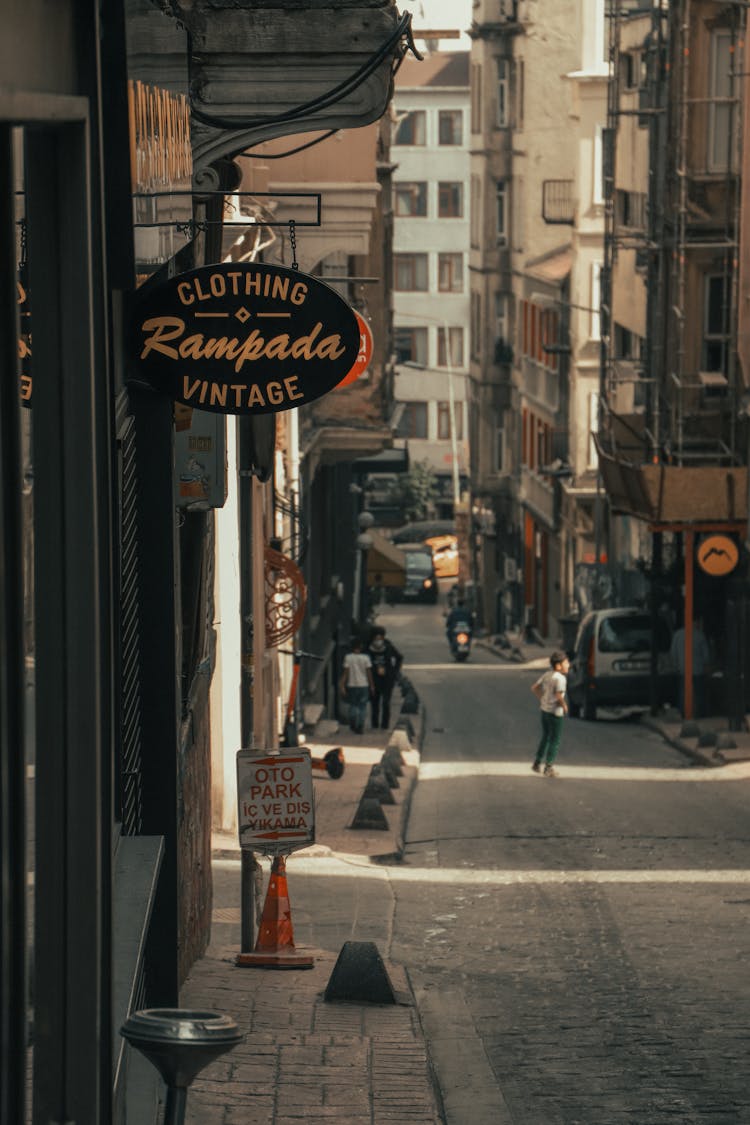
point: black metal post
(12, 764)
(654, 593)
(174, 1114)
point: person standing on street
(356, 684)
(550, 691)
(701, 660)
(386, 665)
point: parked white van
(611, 661)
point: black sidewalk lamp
(180, 1042)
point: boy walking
(357, 684)
(550, 691)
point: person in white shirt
(550, 691)
(357, 684)
(701, 661)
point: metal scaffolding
(682, 81)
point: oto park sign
(276, 811)
(244, 338)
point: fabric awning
(386, 565)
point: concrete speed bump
(359, 976)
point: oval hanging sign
(244, 338)
(366, 345)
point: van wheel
(589, 708)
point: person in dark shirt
(386, 665)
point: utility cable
(403, 28)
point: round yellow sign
(718, 555)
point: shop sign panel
(244, 338)
(276, 812)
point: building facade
(431, 281)
(673, 426)
(522, 171)
(119, 130)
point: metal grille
(130, 690)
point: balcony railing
(541, 384)
(558, 204)
(538, 495)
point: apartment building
(673, 424)
(523, 159)
(430, 250)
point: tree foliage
(416, 492)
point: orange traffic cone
(275, 948)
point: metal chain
(23, 261)
(293, 243)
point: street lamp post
(363, 543)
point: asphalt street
(578, 945)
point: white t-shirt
(356, 665)
(552, 682)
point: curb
(417, 722)
(689, 751)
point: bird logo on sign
(718, 555)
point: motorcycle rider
(459, 615)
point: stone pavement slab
(303, 1059)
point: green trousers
(550, 740)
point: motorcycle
(459, 639)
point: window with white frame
(501, 211)
(503, 116)
(444, 421)
(410, 200)
(450, 127)
(453, 354)
(412, 128)
(413, 422)
(410, 344)
(722, 112)
(451, 273)
(595, 302)
(410, 273)
(450, 200)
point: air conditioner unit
(509, 569)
